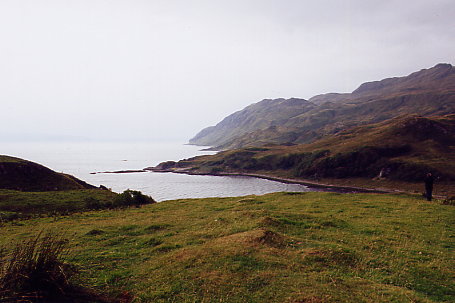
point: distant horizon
(40, 138)
(153, 70)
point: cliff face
(18, 174)
(428, 92)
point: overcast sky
(154, 70)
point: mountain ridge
(241, 122)
(428, 92)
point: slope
(403, 148)
(19, 174)
(261, 115)
(428, 92)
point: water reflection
(168, 186)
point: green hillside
(404, 148)
(283, 247)
(429, 92)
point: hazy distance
(162, 70)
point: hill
(429, 92)
(403, 148)
(261, 115)
(282, 247)
(19, 174)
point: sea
(88, 160)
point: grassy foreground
(283, 247)
(23, 204)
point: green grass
(308, 247)
(36, 203)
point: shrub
(240, 160)
(93, 203)
(411, 171)
(132, 198)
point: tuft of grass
(152, 242)
(95, 232)
(35, 269)
(156, 227)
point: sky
(150, 70)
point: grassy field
(15, 204)
(282, 247)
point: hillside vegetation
(404, 149)
(28, 189)
(429, 92)
(19, 174)
(282, 247)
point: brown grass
(35, 270)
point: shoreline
(129, 171)
(281, 180)
(312, 184)
(328, 185)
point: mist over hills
(428, 92)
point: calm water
(80, 159)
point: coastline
(285, 180)
(342, 186)
(311, 184)
(308, 183)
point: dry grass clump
(35, 270)
(272, 239)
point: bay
(83, 158)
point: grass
(18, 203)
(282, 247)
(35, 270)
